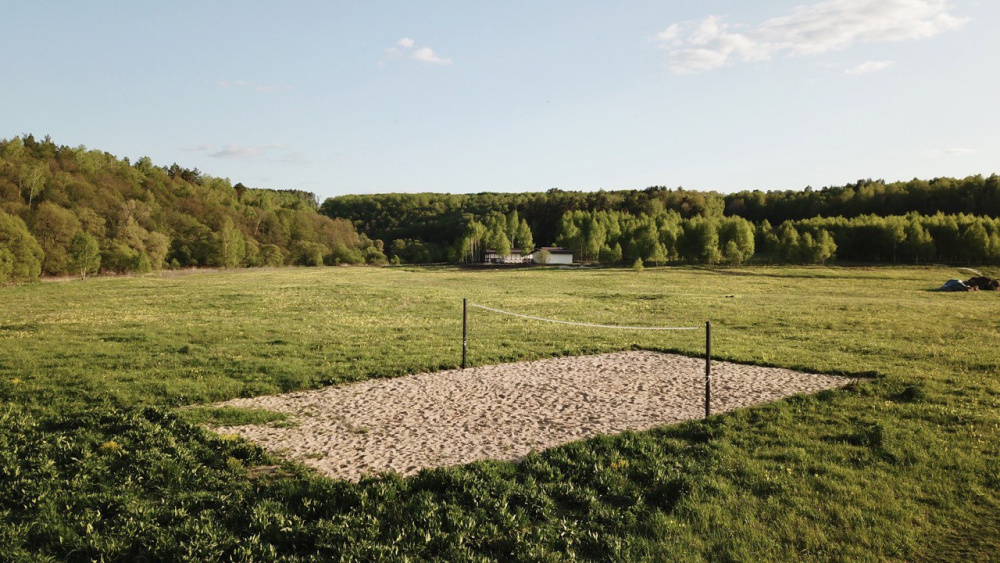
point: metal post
(465, 331)
(708, 368)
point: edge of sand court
(505, 411)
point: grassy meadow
(102, 456)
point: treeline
(866, 221)
(615, 238)
(974, 195)
(437, 221)
(69, 210)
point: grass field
(98, 460)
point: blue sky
(363, 97)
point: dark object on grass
(977, 283)
(983, 283)
(911, 394)
(954, 285)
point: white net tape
(584, 324)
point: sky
(455, 96)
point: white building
(556, 255)
(515, 257)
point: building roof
(555, 250)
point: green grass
(232, 416)
(98, 460)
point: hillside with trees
(72, 211)
(944, 219)
(69, 210)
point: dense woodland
(69, 210)
(944, 220)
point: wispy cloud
(243, 151)
(809, 29)
(868, 67)
(276, 152)
(252, 86)
(407, 49)
(198, 148)
(427, 55)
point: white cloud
(670, 34)
(427, 55)
(808, 30)
(870, 66)
(199, 148)
(275, 152)
(410, 51)
(236, 151)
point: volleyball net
(466, 305)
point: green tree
(31, 180)
(701, 241)
(611, 256)
(736, 237)
(6, 265)
(157, 246)
(975, 243)
(22, 254)
(471, 245)
(919, 245)
(496, 235)
(569, 234)
(232, 246)
(84, 254)
(595, 237)
(994, 249)
(271, 256)
(55, 227)
(510, 224)
(827, 246)
(765, 240)
(788, 243)
(818, 249)
(524, 240)
(308, 253)
(342, 254)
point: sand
(505, 411)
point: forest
(943, 220)
(73, 211)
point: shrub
(20, 254)
(271, 256)
(610, 256)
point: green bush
(20, 254)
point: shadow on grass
(857, 375)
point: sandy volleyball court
(505, 411)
